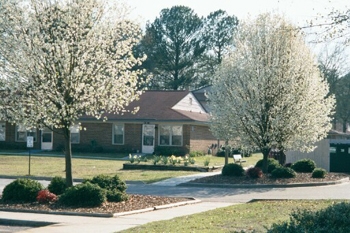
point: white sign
(30, 141)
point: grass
(54, 165)
(250, 217)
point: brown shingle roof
(156, 106)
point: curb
(100, 215)
(192, 184)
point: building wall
(201, 138)
(98, 138)
(320, 155)
(10, 139)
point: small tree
(64, 59)
(269, 91)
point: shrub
(232, 169)
(45, 196)
(116, 196)
(333, 219)
(319, 173)
(156, 159)
(196, 154)
(304, 165)
(254, 172)
(271, 164)
(288, 164)
(108, 182)
(22, 190)
(206, 162)
(83, 195)
(283, 172)
(57, 185)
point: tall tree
(217, 34)
(64, 59)
(173, 48)
(342, 96)
(269, 91)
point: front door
(148, 134)
(46, 139)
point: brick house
(167, 122)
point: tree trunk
(265, 153)
(68, 157)
(226, 152)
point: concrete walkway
(212, 198)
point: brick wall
(98, 138)
(201, 138)
(10, 139)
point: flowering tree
(269, 91)
(64, 59)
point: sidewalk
(212, 198)
(64, 223)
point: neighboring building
(167, 122)
(332, 153)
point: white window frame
(113, 133)
(3, 131)
(170, 135)
(30, 132)
(75, 130)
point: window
(75, 134)
(118, 134)
(22, 133)
(170, 135)
(2, 131)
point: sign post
(30, 144)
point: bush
(45, 196)
(304, 165)
(83, 195)
(232, 169)
(116, 196)
(319, 173)
(22, 190)
(271, 164)
(333, 219)
(196, 154)
(283, 172)
(57, 185)
(108, 182)
(254, 172)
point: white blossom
(63, 59)
(268, 91)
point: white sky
(296, 10)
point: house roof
(157, 106)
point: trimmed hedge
(57, 185)
(232, 169)
(21, 190)
(319, 173)
(271, 164)
(304, 165)
(83, 195)
(283, 172)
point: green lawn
(49, 166)
(250, 217)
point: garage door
(339, 158)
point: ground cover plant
(251, 217)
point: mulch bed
(135, 202)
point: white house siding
(189, 103)
(320, 155)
